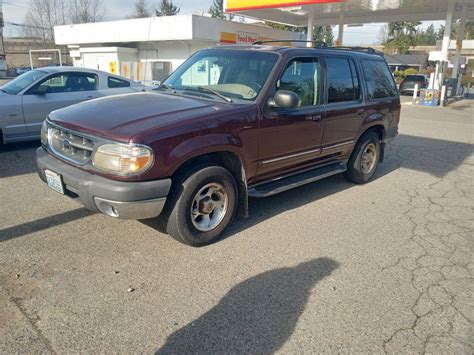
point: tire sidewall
(355, 171)
(182, 210)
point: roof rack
(320, 45)
(367, 50)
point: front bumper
(127, 200)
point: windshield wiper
(167, 87)
(214, 92)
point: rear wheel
(201, 205)
(364, 159)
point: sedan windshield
(23, 81)
(223, 74)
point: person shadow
(256, 316)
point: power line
(23, 25)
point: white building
(150, 48)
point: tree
(401, 44)
(382, 36)
(323, 34)
(85, 11)
(402, 28)
(42, 16)
(217, 9)
(141, 9)
(402, 35)
(427, 37)
(469, 30)
(440, 33)
(167, 8)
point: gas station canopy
(327, 12)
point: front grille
(70, 146)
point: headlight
(123, 159)
(44, 133)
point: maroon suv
(229, 123)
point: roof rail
(321, 45)
(367, 50)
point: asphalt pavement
(326, 268)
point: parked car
(26, 101)
(407, 85)
(230, 123)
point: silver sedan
(28, 99)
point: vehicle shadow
(43, 224)
(256, 316)
(18, 158)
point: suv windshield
(223, 74)
(24, 80)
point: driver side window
(70, 82)
(302, 76)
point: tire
(358, 170)
(185, 221)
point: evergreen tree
(167, 8)
(217, 9)
(320, 36)
(141, 9)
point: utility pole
(3, 60)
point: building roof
(406, 59)
(167, 28)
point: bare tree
(84, 11)
(42, 16)
(141, 9)
(382, 36)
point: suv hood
(121, 117)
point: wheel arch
(228, 160)
(379, 129)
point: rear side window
(380, 83)
(343, 81)
(117, 83)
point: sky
(15, 11)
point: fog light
(106, 208)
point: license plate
(54, 181)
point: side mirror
(285, 99)
(40, 90)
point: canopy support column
(446, 39)
(340, 34)
(459, 38)
(309, 34)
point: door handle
(360, 111)
(315, 118)
(89, 97)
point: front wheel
(364, 159)
(203, 203)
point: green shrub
(399, 73)
(411, 71)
